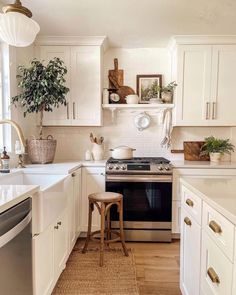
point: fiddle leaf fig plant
(42, 88)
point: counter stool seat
(103, 201)
(105, 197)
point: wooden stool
(103, 202)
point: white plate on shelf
(142, 121)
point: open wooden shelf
(138, 106)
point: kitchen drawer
(192, 204)
(216, 269)
(220, 229)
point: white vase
(98, 152)
(215, 157)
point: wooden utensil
(116, 74)
(122, 91)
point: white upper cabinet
(206, 79)
(194, 77)
(84, 79)
(223, 84)
(61, 115)
(86, 85)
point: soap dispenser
(5, 160)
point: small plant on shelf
(167, 92)
(216, 147)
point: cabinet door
(71, 212)
(61, 115)
(223, 85)
(193, 91)
(77, 184)
(190, 255)
(214, 264)
(43, 262)
(86, 85)
(93, 180)
(60, 243)
(176, 217)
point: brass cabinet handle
(189, 203)
(187, 221)
(215, 227)
(56, 227)
(59, 223)
(68, 113)
(73, 174)
(214, 110)
(213, 275)
(207, 111)
(74, 110)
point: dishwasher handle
(12, 233)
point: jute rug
(84, 276)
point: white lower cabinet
(216, 269)
(93, 179)
(208, 249)
(50, 249)
(60, 244)
(190, 255)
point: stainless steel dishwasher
(16, 250)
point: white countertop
(62, 167)
(219, 193)
(203, 164)
(10, 195)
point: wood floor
(157, 266)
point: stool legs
(108, 227)
(122, 236)
(91, 207)
(103, 207)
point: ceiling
(134, 23)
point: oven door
(147, 200)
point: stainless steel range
(146, 184)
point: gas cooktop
(148, 160)
(146, 165)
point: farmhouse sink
(51, 199)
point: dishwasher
(16, 250)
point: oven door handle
(139, 178)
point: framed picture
(148, 86)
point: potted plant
(42, 90)
(216, 147)
(167, 92)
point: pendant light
(16, 26)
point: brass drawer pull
(215, 227)
(214, 111)
(67, 111)
(213, 275)
(187, 221)
(189, 203)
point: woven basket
(42, 151)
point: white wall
(74, 141)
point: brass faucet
(21, 138)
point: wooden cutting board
(116, 74)
(192, 150)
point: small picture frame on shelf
(148, 87)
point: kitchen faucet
(21, 138)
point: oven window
(143, 201)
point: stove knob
(123, 167)
(160, 168)
(117, 167)
(110, 167)
(167, 168)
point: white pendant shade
(17, 29)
